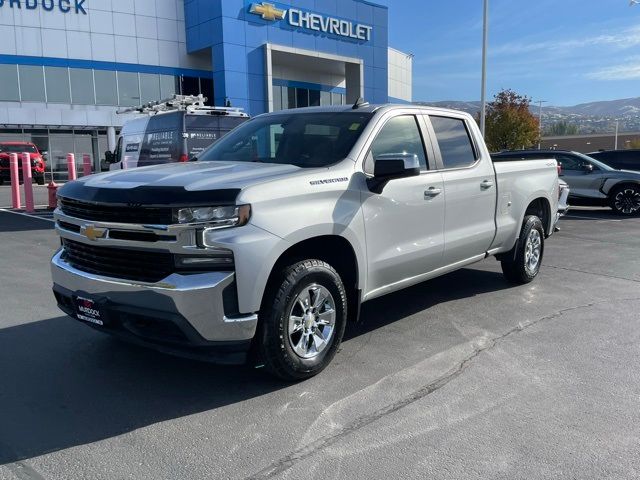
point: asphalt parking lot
(464, 376)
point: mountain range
(611, 108)
(592, 117)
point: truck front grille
(140, 265)
(116, 213)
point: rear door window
(455, 144)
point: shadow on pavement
(599, 214)
(10, 222)
(64, 385)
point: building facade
(67, 66)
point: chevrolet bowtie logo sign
(268, 11)
(315, 22)
(92, 232)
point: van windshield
(307, 140)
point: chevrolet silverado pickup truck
(266, 245)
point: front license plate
(88, 310)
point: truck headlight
(216, 217)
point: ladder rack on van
(192, 104)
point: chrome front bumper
(194, 303)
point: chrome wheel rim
(532, 251)
(312, 321)
(627, 201)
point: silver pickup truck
(266, 245)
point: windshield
(307, 140)
(22, 148)
(597, 163)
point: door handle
(486, 185)
(432, 192)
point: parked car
(619, 159)
(563, 197)
(592, 182)
(281, 229)
(174, 130)
(38, 164)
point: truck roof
(370, 108)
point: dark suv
(592, 182)
(620, 159)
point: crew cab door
(582, 181)
(469, 189)
(404, 223)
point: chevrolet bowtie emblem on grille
(268, 11)
(92, 232)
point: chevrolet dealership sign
(313, 21)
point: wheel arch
(337, 251)
(541, 207)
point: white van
(173, 130)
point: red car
(38, 164)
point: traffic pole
(27, 180)
(86, 165)
(71, 165)
(15, 180)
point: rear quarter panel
(519, 183)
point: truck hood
(174, 184)
(192, 176)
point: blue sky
(563, 51)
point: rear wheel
(625, 200)
(304, 320)
(40, 180)
(523, 263)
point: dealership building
(67, 66)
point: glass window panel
(169, 86)
(82, 92)
(400, 135)
(129, 89)
(149, 87)
(455, 145)
(302, 97)
(106, 87)
(277, 98)
(190, 85)
(59, 146)
(57, 79)
(291, 97)
(325, 98)
(314, 98)
(206, 88)
(336, 99)
(9, 81)
(32, 83)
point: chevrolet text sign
(65, 6)
(313, 21)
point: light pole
(615, 145)
(483, 99)
(540, 124)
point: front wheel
(523, 263)
(304, 319)
(625, 200)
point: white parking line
(592, 218)
(28, 215)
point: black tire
(40, 180)
(515, 265)
(275, 346)
(625, 200)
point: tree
(562, 128)
(509, 123)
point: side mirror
(391, 166)
(110, 157)
(588, 167)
